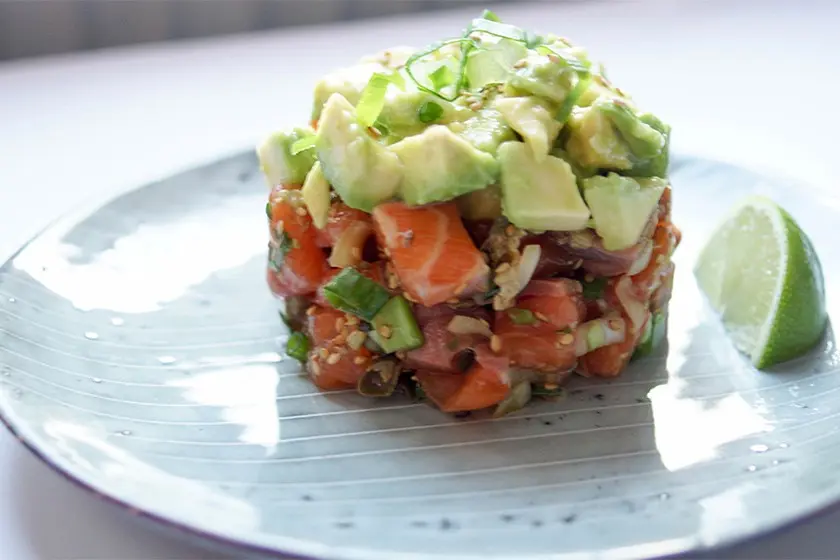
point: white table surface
(750, 80)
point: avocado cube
(621, 207)
(362, 171)
(439, 165)
(278, 164)
(540, 195)
(394, 327)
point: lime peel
(762, 276)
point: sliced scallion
(278, 250)
(522, 316)
(429, 112)
(565, 110)
(351, 292)
(490, 16)
(297, 346)
(594, 289)
(442, 77)
(305, 143)
(372, 99)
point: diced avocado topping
(493, 64)
(533, 120)
(594, 142)
(439, 165)
(407, 113)
(394, 327)
(539, 195)
(487, 130)
(610, 134)
(645, 142)
(621, 207)
(544, 76)
(360, 169)
(484, 204)
(453, 121)
(278, 162)
(657, 166)
(349, 82)
(316, 196)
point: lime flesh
(761, 274)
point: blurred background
(30, 28)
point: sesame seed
(567, 339)
(510, 230)
(324, 353)
(333, 359)
(495, 344)
(352, 320)
(359, 360)
(520, 63)
(589, 278)
(614, 324)
(407, 296)
(452, 301)
(311, 310)
(300, 211)
(355, 339)
(356, 252)
(551, 386)
(540, 316)
(401, 355)
(339, 323)
(316, 367)
(554, 58)
(460, 289)
(387, 252)
(384, 331)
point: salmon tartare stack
(472, 222)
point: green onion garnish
(442, 77)
(277, 251)
(372, 99)
(432, 49)
(268, 210)
(565, 110)
(351, 292)
(297, 346)
(540, 390)
(490, 16)
(522, 316)
(594, 289)
(429, 112)
(303, 144)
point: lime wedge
(761, 274)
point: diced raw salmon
(303, 266)
(431, 251)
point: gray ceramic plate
(140, 357)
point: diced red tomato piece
(304, 265)
(342, 372)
